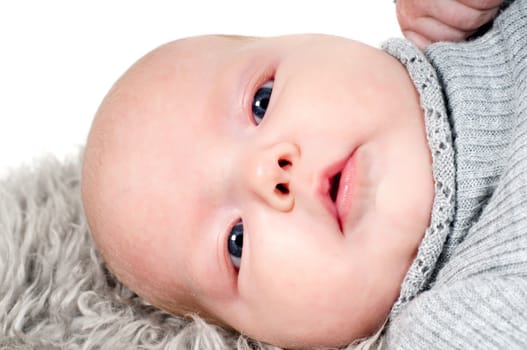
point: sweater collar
(439, 138)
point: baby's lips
(328, 186)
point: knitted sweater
(467, 287)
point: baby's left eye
(261, 101)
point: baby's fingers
(482, 4)
(427, 21)
(459, 15)
(426, 30)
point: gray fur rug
(55, 293)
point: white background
(59, 58)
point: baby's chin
(298, 336)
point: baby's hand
(427, 21)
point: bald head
(129, 176)
(120, 181)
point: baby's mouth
(334, 187)
(339, 190)
(333, 193)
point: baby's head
(280, 186)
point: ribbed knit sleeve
(476, 294)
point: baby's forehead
(210, 45)
(187, 64)
(184, 57)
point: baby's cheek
(404, 198)
(393, 202)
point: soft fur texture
(55, 292)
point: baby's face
(280, 186)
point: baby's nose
(270, 174)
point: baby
(305, 189)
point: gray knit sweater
(467, 288)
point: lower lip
(344, 197)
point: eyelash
(267, 74)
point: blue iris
(235, 243)
(261, 101)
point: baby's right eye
(235, 243)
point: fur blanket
(55, 293)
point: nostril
(283, 163)
(282, 188)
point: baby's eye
(235, 243)
(261, 101)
